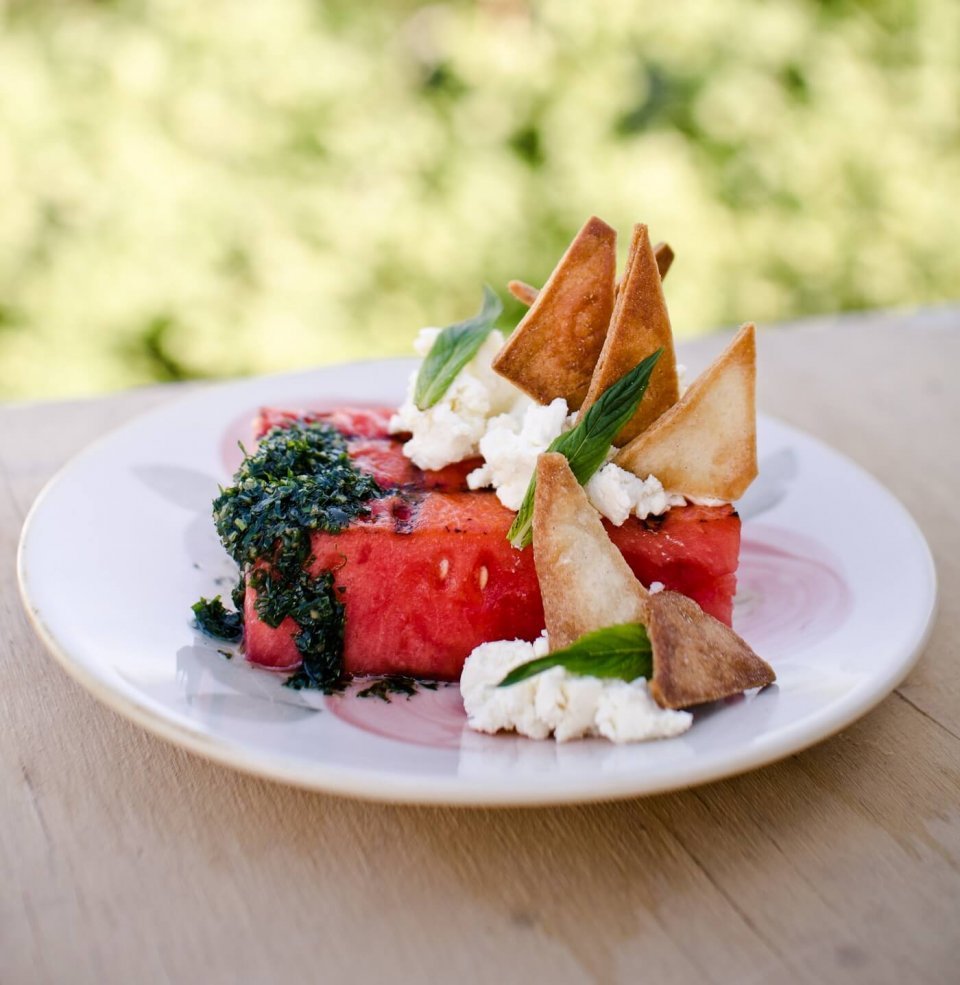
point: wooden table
(123, 859)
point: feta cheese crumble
(617, 493)
(451, 429)
(556, 702)
(510, 447)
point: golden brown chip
(696, 658)
(665, 257)
(526, 293)
(584, 580)
(639, 327)
(553, 350)
(705, 446)
(661, 253)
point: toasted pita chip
(553, 350)
(639, 327)
(584, 580)
(526, 293)
(665, 257)
(705, 446)
(696, 658)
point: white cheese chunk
(451, 429)
(628, 713)
(556, 702)
(617, 493)
(510, 447)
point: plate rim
(386, 786)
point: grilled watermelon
(429, 574)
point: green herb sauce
(299, 480)
(214, 620)
(383, 687)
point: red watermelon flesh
(430, 574)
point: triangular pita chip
(639, 327)
(705, 446)
(696, 658)
(584, 580)
(665, 257)
(553, 350)
(526, 293)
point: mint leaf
(452, 349)
(585, 446)
(623, 652)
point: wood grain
(124, 859)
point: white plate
(837, 591)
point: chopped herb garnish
(622, 652)
(301, 680)
(383, 687)
(299, 480)
(586, 445)
(214, 620)
(452, 349)
(312, 603)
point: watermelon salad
(429, 574)
(547, 518)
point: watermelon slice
(429, 574)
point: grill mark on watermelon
(404, 513)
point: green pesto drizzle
(383, 687)
(299, 480)
(215, 620)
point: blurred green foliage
(206, 189)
